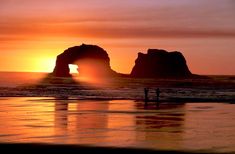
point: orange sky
(32, 33)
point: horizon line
(124, 73)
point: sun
(41, 64)
(73, 68)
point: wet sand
(191, 127)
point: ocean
(216, 88)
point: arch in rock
(90, 59)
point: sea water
(22, 84)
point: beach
(40, 113)
(119, 124)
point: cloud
(25, 19)
(106, 30)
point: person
(158, 94)
(146, 91)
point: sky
(33, 33)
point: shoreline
(170, 100)
(216, 89)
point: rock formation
(160, 64)
(93, 61)
(90, 59)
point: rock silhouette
(94, 61)
(160, 64)
(91, 60)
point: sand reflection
(117, 123)
(61, 119)
(120, 123)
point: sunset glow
(33, 33)
(117, 76)
(73, 68)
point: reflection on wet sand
(164, 128)
(88, 127)
(89, 122)
(119, 123)
(162, 119)
(115, 122)
(61, 118)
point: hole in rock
(73, 69)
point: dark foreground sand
(57, 149)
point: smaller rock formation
(161, 64)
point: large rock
(90, 59)
(160, 64)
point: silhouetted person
(158, 95)
(146, 99)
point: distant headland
(93, 60)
